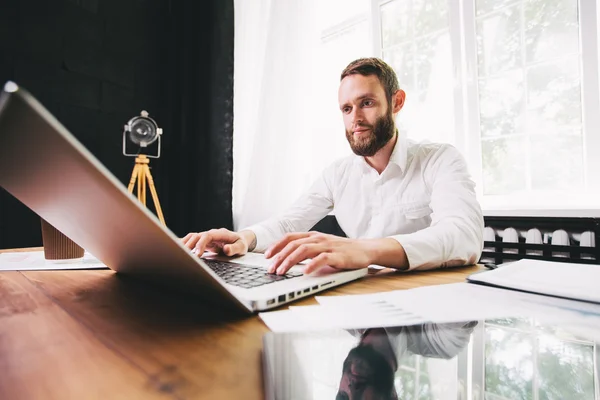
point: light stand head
(141, 131)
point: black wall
(96, 63)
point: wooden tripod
(141, 173)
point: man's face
(367, 115)
(366, 375)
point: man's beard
(380, 134)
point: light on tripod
(143, 131)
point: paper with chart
(441, 303)
(35, 261)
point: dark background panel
(96, 64)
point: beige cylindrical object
(57, 246)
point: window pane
(485, 6)
(501, 104)
(566, 370)
(395, 23)
(432, 61)
(405, 376)
(424, 67)
(508, 365)
(403, 20)
(554, 95)
(530, 88)
(401, 59)
(552, 29)
(499, 41)
(503, 165)
(557, 161)
(429, 16)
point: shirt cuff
(263, 240)
(417, 252)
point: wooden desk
(92, 334)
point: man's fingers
(190, 240)
(237, 248)
(216, 240)
(278, 246)
(301, 253)
(203, 241)
(319, 261)
(286, 251)
(187, 237)
(224, 235)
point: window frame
(467, 129)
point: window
(526, 361)
(415, 41)
(512, 83)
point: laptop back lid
(52, 173)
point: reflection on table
(511, 358)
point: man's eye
(346, 110)
(368, 103)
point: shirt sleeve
(439, 340)
(455, 236)
(309, 209)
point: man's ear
(398, 99)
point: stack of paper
(443, 303)
(568, 280)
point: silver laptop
(52, 173)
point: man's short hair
(375, 66)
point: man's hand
(220, 241)
(324, 249)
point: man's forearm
(250, 239)
(387, 252)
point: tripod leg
(134, 176)
(154, 195)
(145, 167)
(141, 178)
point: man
(369, 369)
(402, 205)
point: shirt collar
(399, 154)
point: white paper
(570, 280)
(316, 318)
(441, 303)
(34, 260)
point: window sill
(550, 212)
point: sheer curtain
(276, 48)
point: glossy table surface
(93, 334)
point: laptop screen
(509, 358)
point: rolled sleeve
(264, 237)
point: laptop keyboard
(246, 276)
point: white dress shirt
(424, 199)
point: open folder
(566, 280)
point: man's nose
(357, 117)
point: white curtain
(276, 47)
(287, 122)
